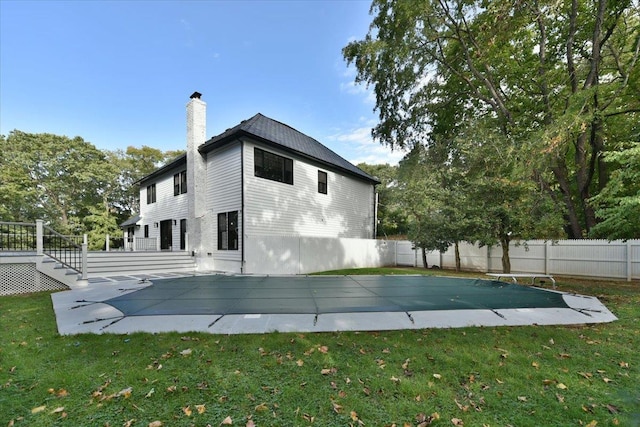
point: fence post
(547, 250)
(39, 237)
(488, 259)
(85, 262)
(629, 263)
(106, 246)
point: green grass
(522, 376)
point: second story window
(322, 182)
(151, 194)
(180, 183)
(272, 166)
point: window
(228, 231)
(322, 182)
(146, 231)
(273, 167)
(151, 194)
(180, 183)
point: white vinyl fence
(589, 258)
(302, 255)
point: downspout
(375, 212)
(242, 260)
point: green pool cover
(223, 295)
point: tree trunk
(457, 256)
(506, 261)
(424, 258)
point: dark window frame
(273, 167)
(323, 180)
(151, 194)
(180, 183)
(146, 231)
(228, 231)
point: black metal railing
(67, 250)
(17, 237)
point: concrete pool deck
(84, 311)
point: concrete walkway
(82, 311)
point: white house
(258, 179)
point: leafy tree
(392, 217)
(52, 177)
(552, 77)
(618, 204)
(134, 164)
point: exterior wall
(166, 207)
(223, 194)
(302, 255)
(278, 209)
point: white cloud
(359, 146)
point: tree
(392, 217)
(551, 77)
(134, 164)
(54, 178)
(618, 204)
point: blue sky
(120, 73)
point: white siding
(224, 194)
(279, 209)
(166, 207)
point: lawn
(519, 376)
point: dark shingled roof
(285, 137)
(131, 221)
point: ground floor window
(228, 231)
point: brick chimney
(196, 168)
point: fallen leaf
(38, 409)
(227, 422)
(405, 365)
(300, 362)
(607, 380)
(129, 423)
(593, 423)
(58, 410)
(187, 411)
(261, 408)
(323, 349)
(437, 376)
(564, 356)
(148, 395)
(612, 409)
(457, 422)
(336, 408)
(353, 415)
(561, 386)
(624, 365)
(535, 365)
(186, 352)
(395, 380)
(155, 424)
(126, 392)
(522, 398)
(171, 389)
(201, 409)
(250, 423)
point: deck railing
(65, 249)
(18, 237)
(70, 251)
